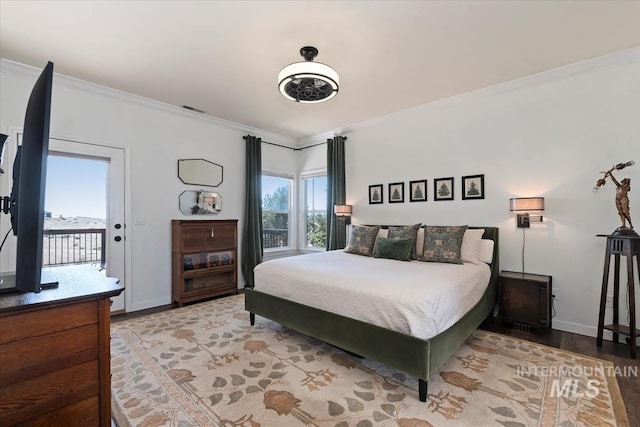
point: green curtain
(252, 230)
(336, 192)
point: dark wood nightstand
(525, 299)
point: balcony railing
(74, 246)
(272, 238)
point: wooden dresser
(54, 351)
(204, 259)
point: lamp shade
(343, 210)
(526, 204)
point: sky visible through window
(271, 183)
(76, 187)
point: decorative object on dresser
(525, 299)
(54, 351)
(204, 259)
(443, 189)
(473, 187)
(628, 246)
(622, 198)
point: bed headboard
(491, 233)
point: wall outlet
(609, 301)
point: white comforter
(416, 298)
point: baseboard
(590, 331)
(151, 303)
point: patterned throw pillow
(443, 244)
(399, 249)
(362, 240)
(406, 232)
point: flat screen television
(26, 203)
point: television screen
(28, 189)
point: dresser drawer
(207, 237)
(221, 281)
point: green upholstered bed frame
(414, 356)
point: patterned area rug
(204, 365)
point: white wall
(154, 137)
(546, 135)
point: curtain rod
(291, 148)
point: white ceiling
(223, 57)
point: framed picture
(396, 192)
(443, 189)
(473, 187)
(418, 191)
(375, 194)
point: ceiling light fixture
(308, 81)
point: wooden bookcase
(204, 259)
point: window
(276, 203)
(315, 211)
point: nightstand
(525, 299)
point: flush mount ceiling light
(308, 81)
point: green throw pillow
(443, 244)
(399, 249)
(405, 232)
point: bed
(415, 355)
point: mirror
(200, 203)
(199, 172)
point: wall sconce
(520, 204)
(343, 211)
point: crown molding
(616, 59)
(12, 67)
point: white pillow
(420, 242)
(486, 251)
(470, 248)
(383, 233)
